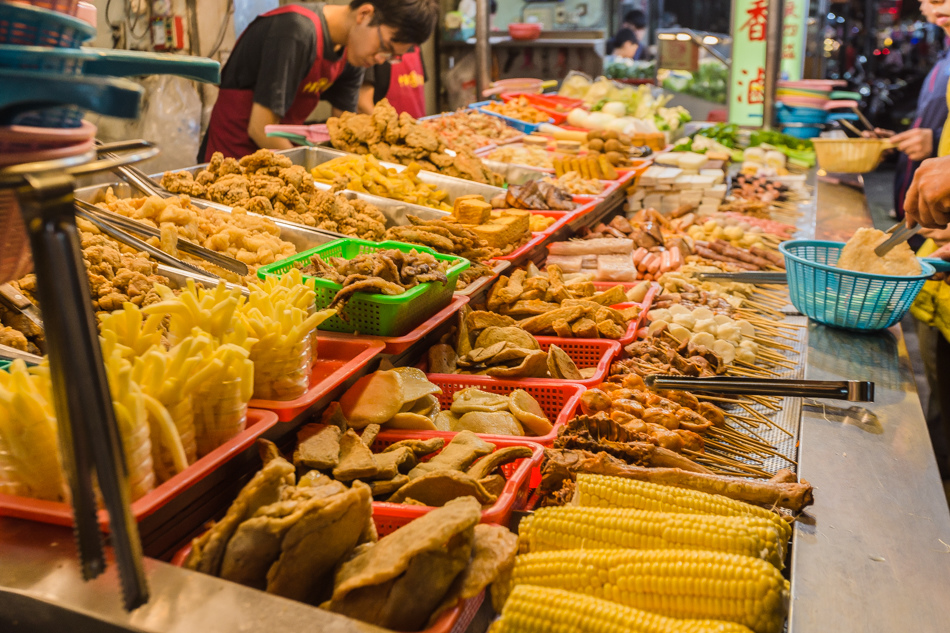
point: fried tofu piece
(495, 297)
(582, 290)
(562, 328)
(387, 487)
(394, 463)
(511, 292)
(442, 359)
(356, 460)
(398, 582)
(370, 431)
(585, 328)
(438, 488)
(530, 307)
(488, 464)
(562, 366)
(481, 319)
(540, 323)
(494, 484)
(318, 447)
(610, 297)
(420, 448)
(471, 209)
(533, 366)
(609, 329)
(458, 454)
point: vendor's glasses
(386, 48)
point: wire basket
(850, 155)
(31, 26)
(375, 314)
(845, 298)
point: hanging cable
(222, 31)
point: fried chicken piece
(423, 137)
(362, 127)
(230, 190)
(266, 186)
(260, 204)
(384, 152)
(373, 285)
(264, 162)
(182, 182)
(13, 338)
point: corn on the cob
(543, 610)
(687, 584)
(572, 527)
(604, 491)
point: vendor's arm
(928, 199)
(367, 98)
(261, 117)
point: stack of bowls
(29, 132)
(802, 106)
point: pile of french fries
(364, 173)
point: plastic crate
(585, 352)
(844, 298)
(34, 26)
(375, 314)
(337, 360)
(518, 124)
(399, 344)
(5, 364)
(392, 516)
(556, 106)
(258, 422)
(558, 400)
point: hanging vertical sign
(793, 39)
(747, 75)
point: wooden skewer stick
(765, 403)
(772, 343)
(761, 369)
(722, 460)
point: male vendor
(290, 58)
(401, 80)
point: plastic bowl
(525, 30)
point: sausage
(716, 257)
(638, 256)
(665, 263)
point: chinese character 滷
(790, 9)
(756, 92)
(790, 30)
(758, 16)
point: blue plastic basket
(33, 26)
(845, 298)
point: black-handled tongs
(850, 390)
(747, 277)
(145, 231)
(91, 446)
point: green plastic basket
(5, 364)
(376, 314)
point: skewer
(733, 451)
(722, 460)
(751, 366)
(768, 404)
(771, 343)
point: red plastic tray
(258, 422)
(585, 352)
(391, 516)
(397, 345)
(558, 400)
(337, 360)
(554, 105)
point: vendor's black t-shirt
(274, 54)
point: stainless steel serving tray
(302, 237)
(394, 211)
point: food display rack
(871, 555)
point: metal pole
(773, 59)
(482, 47)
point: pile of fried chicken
(388, 272)
(270, 184)
(248, 238)
(398, 138)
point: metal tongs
(850, 390)
(134, 242)
(120, 222)
(898, 233)
(16, 301)
(747, 277)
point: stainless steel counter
(873, 553)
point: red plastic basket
(556, 106)
(337, 360)
(399, 344)
(585, 352)
(392, 516)
(558, 400)
(258, 422)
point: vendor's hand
(928, 199)
(942, 253)
(878, 133)
(917, 143)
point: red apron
(227, 129)
(407, 92)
